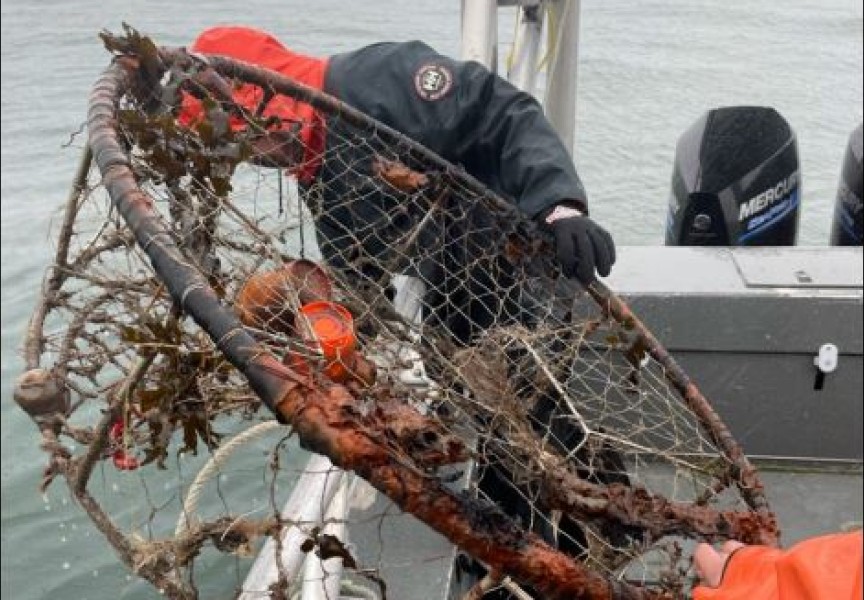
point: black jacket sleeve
(466, 114)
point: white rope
(219, 458)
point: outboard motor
(848, 210)
(736, 181)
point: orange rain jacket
(821, 568)
(262, 49)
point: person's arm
(501, 133)
(476, 119)
(821, 568)
(504, 127)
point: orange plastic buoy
(263, 300)
(328, 328)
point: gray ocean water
(647, 71)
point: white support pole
(560, 102)
(522, 71)
(322, 579)
(306, 507)
(480, 31)
(409, 298)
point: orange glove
(821, 568)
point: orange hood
(262, 49)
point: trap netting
(403, 320)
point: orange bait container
(328, 328)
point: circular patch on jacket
(432, 82)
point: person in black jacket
(460, 110)
(469, 116)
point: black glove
(581, 244)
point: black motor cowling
(848, 210)
(736, 181)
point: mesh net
(431, 307)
